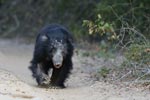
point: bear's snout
(57, 59)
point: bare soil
(16, 82)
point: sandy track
(17, 84)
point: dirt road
(16, 82)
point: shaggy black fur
(49, 39)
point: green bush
(139, 54)
(100, 27)
(126, 22)
(104, 72)
(126, 13)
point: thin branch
(125, 75)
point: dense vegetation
(125, 24)
(23, 18)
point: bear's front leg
(54, 79)
(41, 77)
(59, 76)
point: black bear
(53, 50)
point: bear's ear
(44, 38)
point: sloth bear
(53, 50)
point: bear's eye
(53, 50)
(64, 53)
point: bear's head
(56, 50)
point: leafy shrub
(138, 53)
(104, 72)
(132, 13)
(126, 22)
(100, 27)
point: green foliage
(99, 26)
(121, 20)
(104, 54)
(126, 21)
(139, 53)
(104, 72)
(86, 54)
(32, 15)
(99, 53)
(126, 13)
